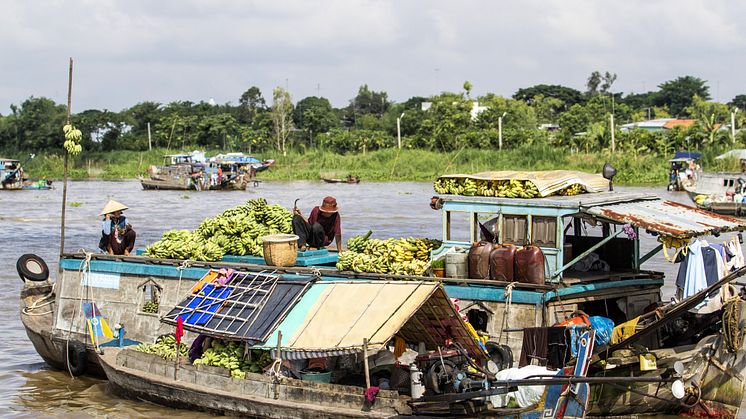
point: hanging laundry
(734, 248)
(698, 269)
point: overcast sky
(131, 51)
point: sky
(126, 52)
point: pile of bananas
(237, 231)
(72, 139)
(164, 347)
(410, 256)
(512, 188)
(572, 190)
(357, 244)
(184, 244)
(150, 307)
(231, 355)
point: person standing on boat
(323, 226)
(117, 235)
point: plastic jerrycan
(479, 260)
(502, 259)
(529, 265)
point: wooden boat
(11, 174)
(683, 171)
(349, 179)
(719, 192)
(49, 315)
(193, 172)
(43, 185)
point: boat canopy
(737, 154)
(234, 158)
(685, 156)
(334, 317)
(547, 182)
(667, 218)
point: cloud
(128, 52)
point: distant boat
(719, 192)
(332, 178)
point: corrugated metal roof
(668, 218)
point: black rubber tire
(501, 355)
(31, 267)
(77, 359)
(507, 356)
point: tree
(281, 114)
(567, 95)
(594, 80)
(739, 102)
(315, 114)
(678, 94)
(366, 102)
(607, 80)
(467, 87)
(251, 102)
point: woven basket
(280, 249)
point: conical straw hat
(113, 206)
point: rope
(85, 267)
(506, 313)
(732, 334)
(36, 304)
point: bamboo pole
(365, 363)
(64, 170)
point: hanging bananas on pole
(73, 136)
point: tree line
(542, 114)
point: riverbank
(387, 165)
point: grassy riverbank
(389, 165)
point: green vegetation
(396, 165)
(539, 127)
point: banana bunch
(150, 307)
(405, 256)
(358, 243)
(236, 231)
(230, 355)
(512, 188)
(72, 139)
(164, 347)
(184, 244)
(572, 190)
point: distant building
(657, 125)
(476, 109)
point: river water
(30, 223)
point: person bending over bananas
(322, 227)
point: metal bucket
(457, 265)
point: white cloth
(525, 396)
(737, 260)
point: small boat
(348, 179)
(41, 184)
(194, 172)
(684, 170)
(11, 174)
(719, 192)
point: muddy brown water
(29, 223)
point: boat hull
(148, 377)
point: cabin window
(515, 230)
(544, 231)
(151, 297)
(479, 319)
(459, 226)
(487, 227)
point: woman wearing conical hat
(117, 236)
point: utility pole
(150, 143)
(398, 129)
(733, 125)
(613, 143)
(500, 130)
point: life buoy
(31, 267)
(77, 359)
